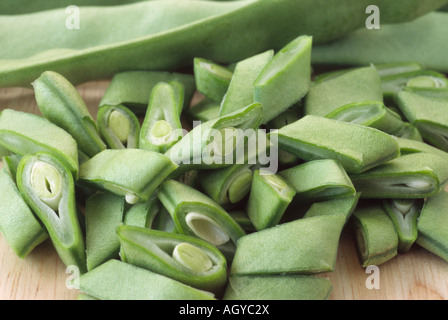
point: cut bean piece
(344, 207)
(212, 79)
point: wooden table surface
(417, 275)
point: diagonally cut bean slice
(212, 79)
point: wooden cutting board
(417, 275)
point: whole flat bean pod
(196, 214)
(227, 186)
(47, 186)
(413, 176)
(23, 133)
(104, 214)
(115, 171)
(319, 180)
(277, 287)
(241, 88)
(431, 121)
(303, 246)
(354, 86)
(116, 280)
(161, 128)
(174, 32)
(344, 207)
(212, 79)
(432, 234)
(60, 102)
(18, 225)
(119, 127)
(133, 88)
(404, 214)
(372, 114)
(143, 214)
(286, 78)
(357, 148)
(375, 235)
(186, 259)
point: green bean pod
(303, 246)
(186, 259)
(410, 132)
(164, 222)
(195, 214)
(404, 213)
(24, 133)
(353, 86)
(408, 146)
(20, 228)
(142, 214)
(119, 127)
(204, 111)
(114, 171)
(47, 186)
(375, 235)
(242, 218)
(104, 214)
(277, 287)
(345, 207)
(319, 180)
(133, 88)
(11, 163)
(62, 105)
(227, 186)
(345, 142)
(432, 226)
(269, 197)
(161, 128)
(286, 79)
(391, 69)
(413, 176)
(212, 79)
(117, 280)
(431, 121)
(240, 93)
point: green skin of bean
(411, 132)
(380, 242)
(319, 180)
(386, 180)
(359, 85)
(179, 32)
(104, 213)
(357, 148)
(411, 43)
(277, 287)
(63, 227)
(152, 250)
(212, 79)
(133, 88)
(11, 163)
(304, 246)
(344, 207)
(204, 111)
(432, 223)
(18, 225)
(24, 133)
(114, 171)
(408, 146)
(107, 134)
(267, 204)
(116, 280)
(143, 214)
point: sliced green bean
(304, 246)
(48, 188)
(286, 78)
(240, 93)
(408, 146)
(319, 180)
(116, 280)
(375, 235)
(11, 163)
(404, 213)
(186, 259)
(20, 228)
(431, 121)
(212, 79)
(161, 128)
(60, 103)
(133, 88)
(114, 171)
(432, 223)
(164, 222)
(24, 133)
(83, 296)
(277, 287)
(413, 176)
(390, 69)
(204, 111)
(344, 207)
(243, 220)
(345, 142)
(119, 127)
(270, 195)
(142, 214)
(410, 132)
